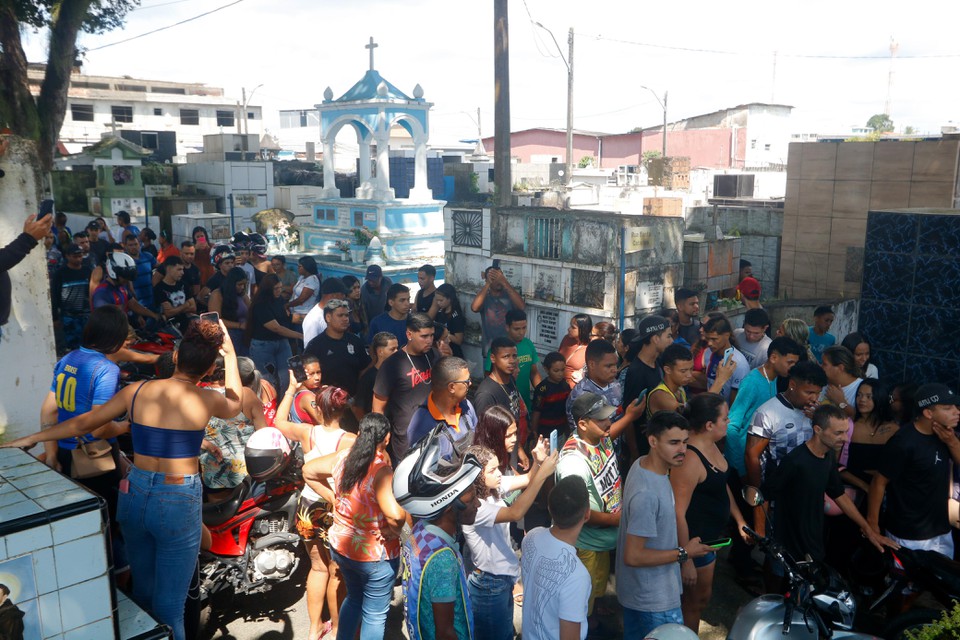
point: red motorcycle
(255, 541)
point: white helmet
(671, 631)
(120, 265)
(426, 485)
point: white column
(383, 191)
(329, 175)
(420, 191)
(364, 160)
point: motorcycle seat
(217, 513)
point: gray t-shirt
(648, 512)
(754, 352)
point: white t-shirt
(306, 282)
(872, 371)
(251, 277)
(783, 425)
(489, 541)
(555, 585)
(314, 324)
(754, 352)
(849, 392)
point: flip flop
(518, 599)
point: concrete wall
(830, 188)
(27, 345)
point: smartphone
(727, 355)
(643, 394)
(296, 365)
(46, 209)
(719, 543)
(210, 316)
(496, 263)
(553, 441)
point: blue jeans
(637, 624)
(369, 591)
(159, 516)
(491, 599)
(275, 352)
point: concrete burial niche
(910, 296)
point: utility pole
(501, 113)
(569, 174)
(664, 126)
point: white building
(97, 103)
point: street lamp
(663, 105)
(568, 61)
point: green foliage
(909, 131)
(154, 173)
(880, 123)
(948, 626)
(362, 235)
(586, 161)
(650, 154)
(102, 16)
(474, 182)
(870, 137)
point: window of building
(753, 144)
(174, 90)
(81, 112)
(251, 115)
(224, 118)
(136, 88)
(548, 233)
(121, 114)
(190, 116)
(766, 147)
(149, 140)
(157, 111)
(358, 217)
(326, 216)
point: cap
(935, 393)
(749, 288)
(374, 271)
(591, 405)
(650, 325)
(72, 249)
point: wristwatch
(681, 555)
(843, 405)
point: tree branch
(18, 111)
(65, 24)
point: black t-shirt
(917, 467)
(690, 332)
(341, 360)
(640, 378)
(191, 278)
(214, 282)
(404, 380)
(491, 393)
(797, 486)
(423, 303)
(364, 396)
(455, 323)
(264, 313)
(151, 249)
(175, 294)
(98, 248)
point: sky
(829, 60)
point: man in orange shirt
(447, 402)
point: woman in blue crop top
(159, 506)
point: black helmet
(121, 266)
(257, 244)
(220, 253)
(240, 241)
(266, 453)
(425, 484)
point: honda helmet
(671, 631)
(266, 453)
(220, 253)
(425, 484)
(258, 244)
(121, 266)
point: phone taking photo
(210, 316)
(553, 441)
(296, 365)
(727, 355)
(46, 209)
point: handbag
(91, 459)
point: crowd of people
(621, 452)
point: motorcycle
(816, 604)
(254, 539)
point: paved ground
(282, 614)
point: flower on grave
(343, 245)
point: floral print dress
(231, 437)
(358, 522)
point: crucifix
(373, 45)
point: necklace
(425, 354)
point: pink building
(747, 136)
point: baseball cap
(593, 406)
(935, 393)
(750, 288)
(651, 325)
(72, 249)
(374, 271)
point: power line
(170, 26)
(162, 4)
(753, 53)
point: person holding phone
(704, 502)
(726, 369)
(269, 342)
(34, 230)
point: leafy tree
(40, 118)
(586, 161)
(880, 122)
(909, 131)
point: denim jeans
(159, 516)
(275, 352)
(491, 599)
(637, 624)
(369, 591)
